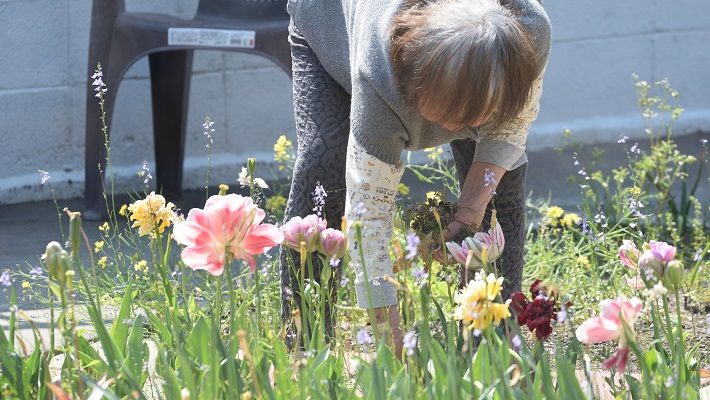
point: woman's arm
(478, 189)
(497, 152)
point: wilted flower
(538, 313)
(228, 225)
(151, 213)
(475, 303)
(609, 325)
(629, 254)
(307, 229)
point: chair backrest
(258, 9)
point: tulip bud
(251, 166)
(223, 189)
(629, 254)
(648, 261)
(56, 260)
(75, 233)
(675, 274)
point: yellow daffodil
(150, 213)
(475, 303)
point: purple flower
(98, 84)
(344, 282)
(363, 337)
(145, 173)
(5, 279)
(44, 176)
(635, 149)
(208, 130)
(517, 342)
(359, 210)
(319, 195)
(489, 179)
(412, 244)
(662, 250)
(36, 271)
(562, 315)
(420, 275)
(410, 342)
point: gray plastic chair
(120, 38)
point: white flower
(656, 292)
(244, 180)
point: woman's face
(449, 125)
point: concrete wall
(43, 52)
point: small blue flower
(412, 245)
(410, 342)
(363, 337)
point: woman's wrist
(469, 216)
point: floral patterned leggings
(322, 109)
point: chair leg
(170, 73)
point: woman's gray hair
(463, 61)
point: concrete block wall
(43, 53)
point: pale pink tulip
(609, 326)
(484, 246)
(662, 251)
(629, 254)
(458, 252)
(307, 229)
(333, 244)
(228, 224)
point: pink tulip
(484, 246)
(228, 224)
(609, 326)
(460, 253)
(662, 251)
(333, 244)
(648, 261)
(629, 254)
(307, 229)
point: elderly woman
(374, 78)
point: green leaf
(119, 329)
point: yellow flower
(275, 203)
(105, 227)
(554, 212)
(583, 261)
(98, 246)
(103, 261)
(151, 213)
(141, 266)
(123, 210)
(475, 303)
(282, 151)
(403, 189)
(26, 285)
(434, 152)
(570, 220)
(438, 196)
(635, 191)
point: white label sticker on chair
(210, 37)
